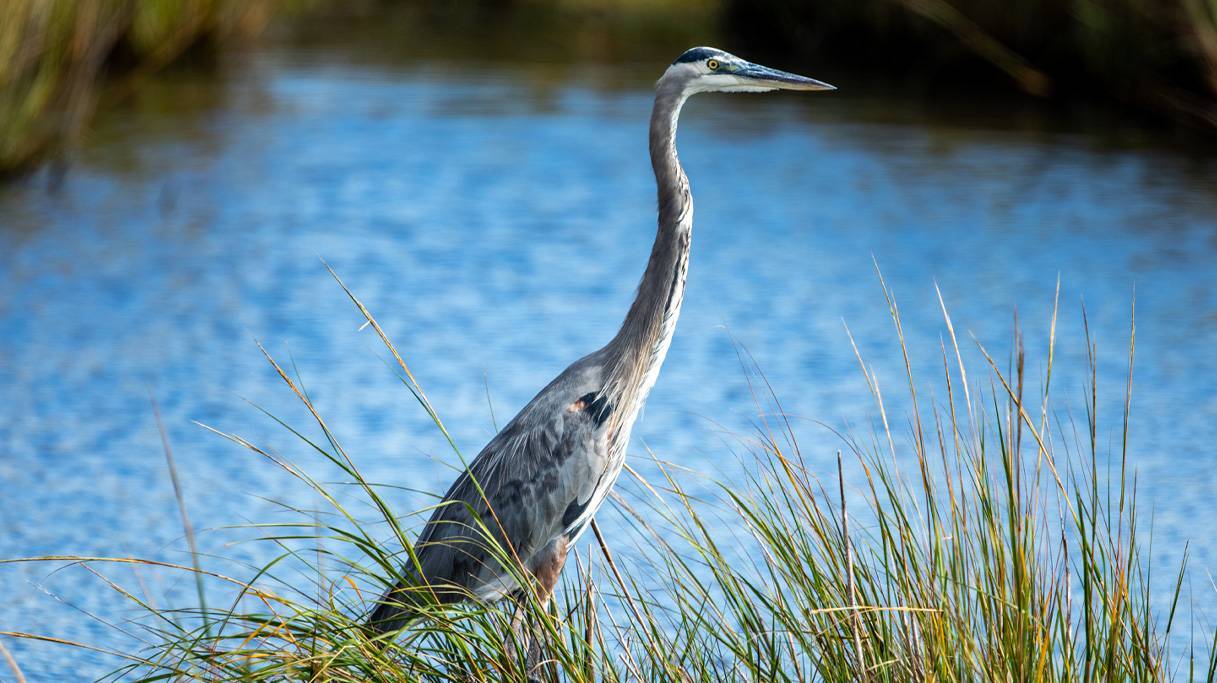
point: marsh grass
(59, 57)
(992, 541)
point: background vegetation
(1148, 56)
(59, 57)
(1155, 58)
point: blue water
(496, 222)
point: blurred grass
(1142, 56)
(993, 540)
(58, 57)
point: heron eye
(712, 64)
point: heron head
(708, 69)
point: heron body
(538, 483)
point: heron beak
(782, 80)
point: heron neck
(675, 202)
(639, 349)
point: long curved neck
(638, 350)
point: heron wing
(532, 483)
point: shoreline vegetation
(1150, 59)
(1012, 549)
(60, 58)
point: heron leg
(546, 568)
(516, 632)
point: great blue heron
(539, 482)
